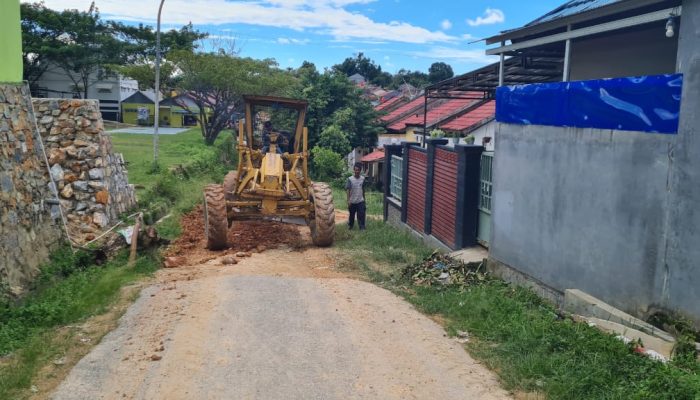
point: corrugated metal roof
(373, 156)
(435, 114)
(417, 102)
(389, 103)
(473, 117)
(570, 8)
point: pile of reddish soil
(247, 236)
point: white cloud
(283, 40)
(458, 55)
(491, 16)
(323, 16)
(446, 24)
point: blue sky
(397, 34)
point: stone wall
(29, 224)
(91, 178)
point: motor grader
(272, 179)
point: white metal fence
(396, 183)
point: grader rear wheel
(215, 221)
(230, 185)
(323, 224)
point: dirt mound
(247, 236)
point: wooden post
(135, 240)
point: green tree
(440, 71)
(327, 164)
(366, 67)
(415, 78)
(333, 138)
(333, 100)
(87, 48)
(217, 82)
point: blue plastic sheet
(645, 104)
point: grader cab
(272, 179)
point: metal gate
(485, 196)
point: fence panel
(396, 184)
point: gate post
(405, 146)
(468, 188)
(429, 182)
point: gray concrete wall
(680, 277)
(639, 52)
(583, 208)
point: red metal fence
(445, 196)
(417, 163)
(439, 190)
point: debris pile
(441, 269)
(244, 236)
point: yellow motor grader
(272, 179)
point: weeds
(69, 290)
(517, 334)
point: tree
(333, 100)
(440, 71)
(414, 78)
(218, 81)
(83, 45)
(327, 164)
(333, 138)
(366, 67)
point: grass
(518, 335)
(69, 289)
(186, 165)
(374, 200)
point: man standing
(355, 186)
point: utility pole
(157, 110)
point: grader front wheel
(322, 225)
(215, 221)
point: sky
(396, 34)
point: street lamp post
(157, 110)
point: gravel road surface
(282, 324)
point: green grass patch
(374, 200)
(380, 243)
(186, 165)
(518, 335)
(70, 289)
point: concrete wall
(638, 52)
(583, 208)
(10, 42)
(680, 276)
(29, 224)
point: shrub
(327, 164)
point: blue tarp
(646, 104)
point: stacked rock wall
(90, 177)
(30, 223)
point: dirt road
(281, 324)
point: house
(182, 111)
(139, 109)
(176, 112)
(109, 88)
(358, 80)
(477, 122)
(373, 166)
(595, 179)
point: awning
(373, 156)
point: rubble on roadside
(443, 270)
